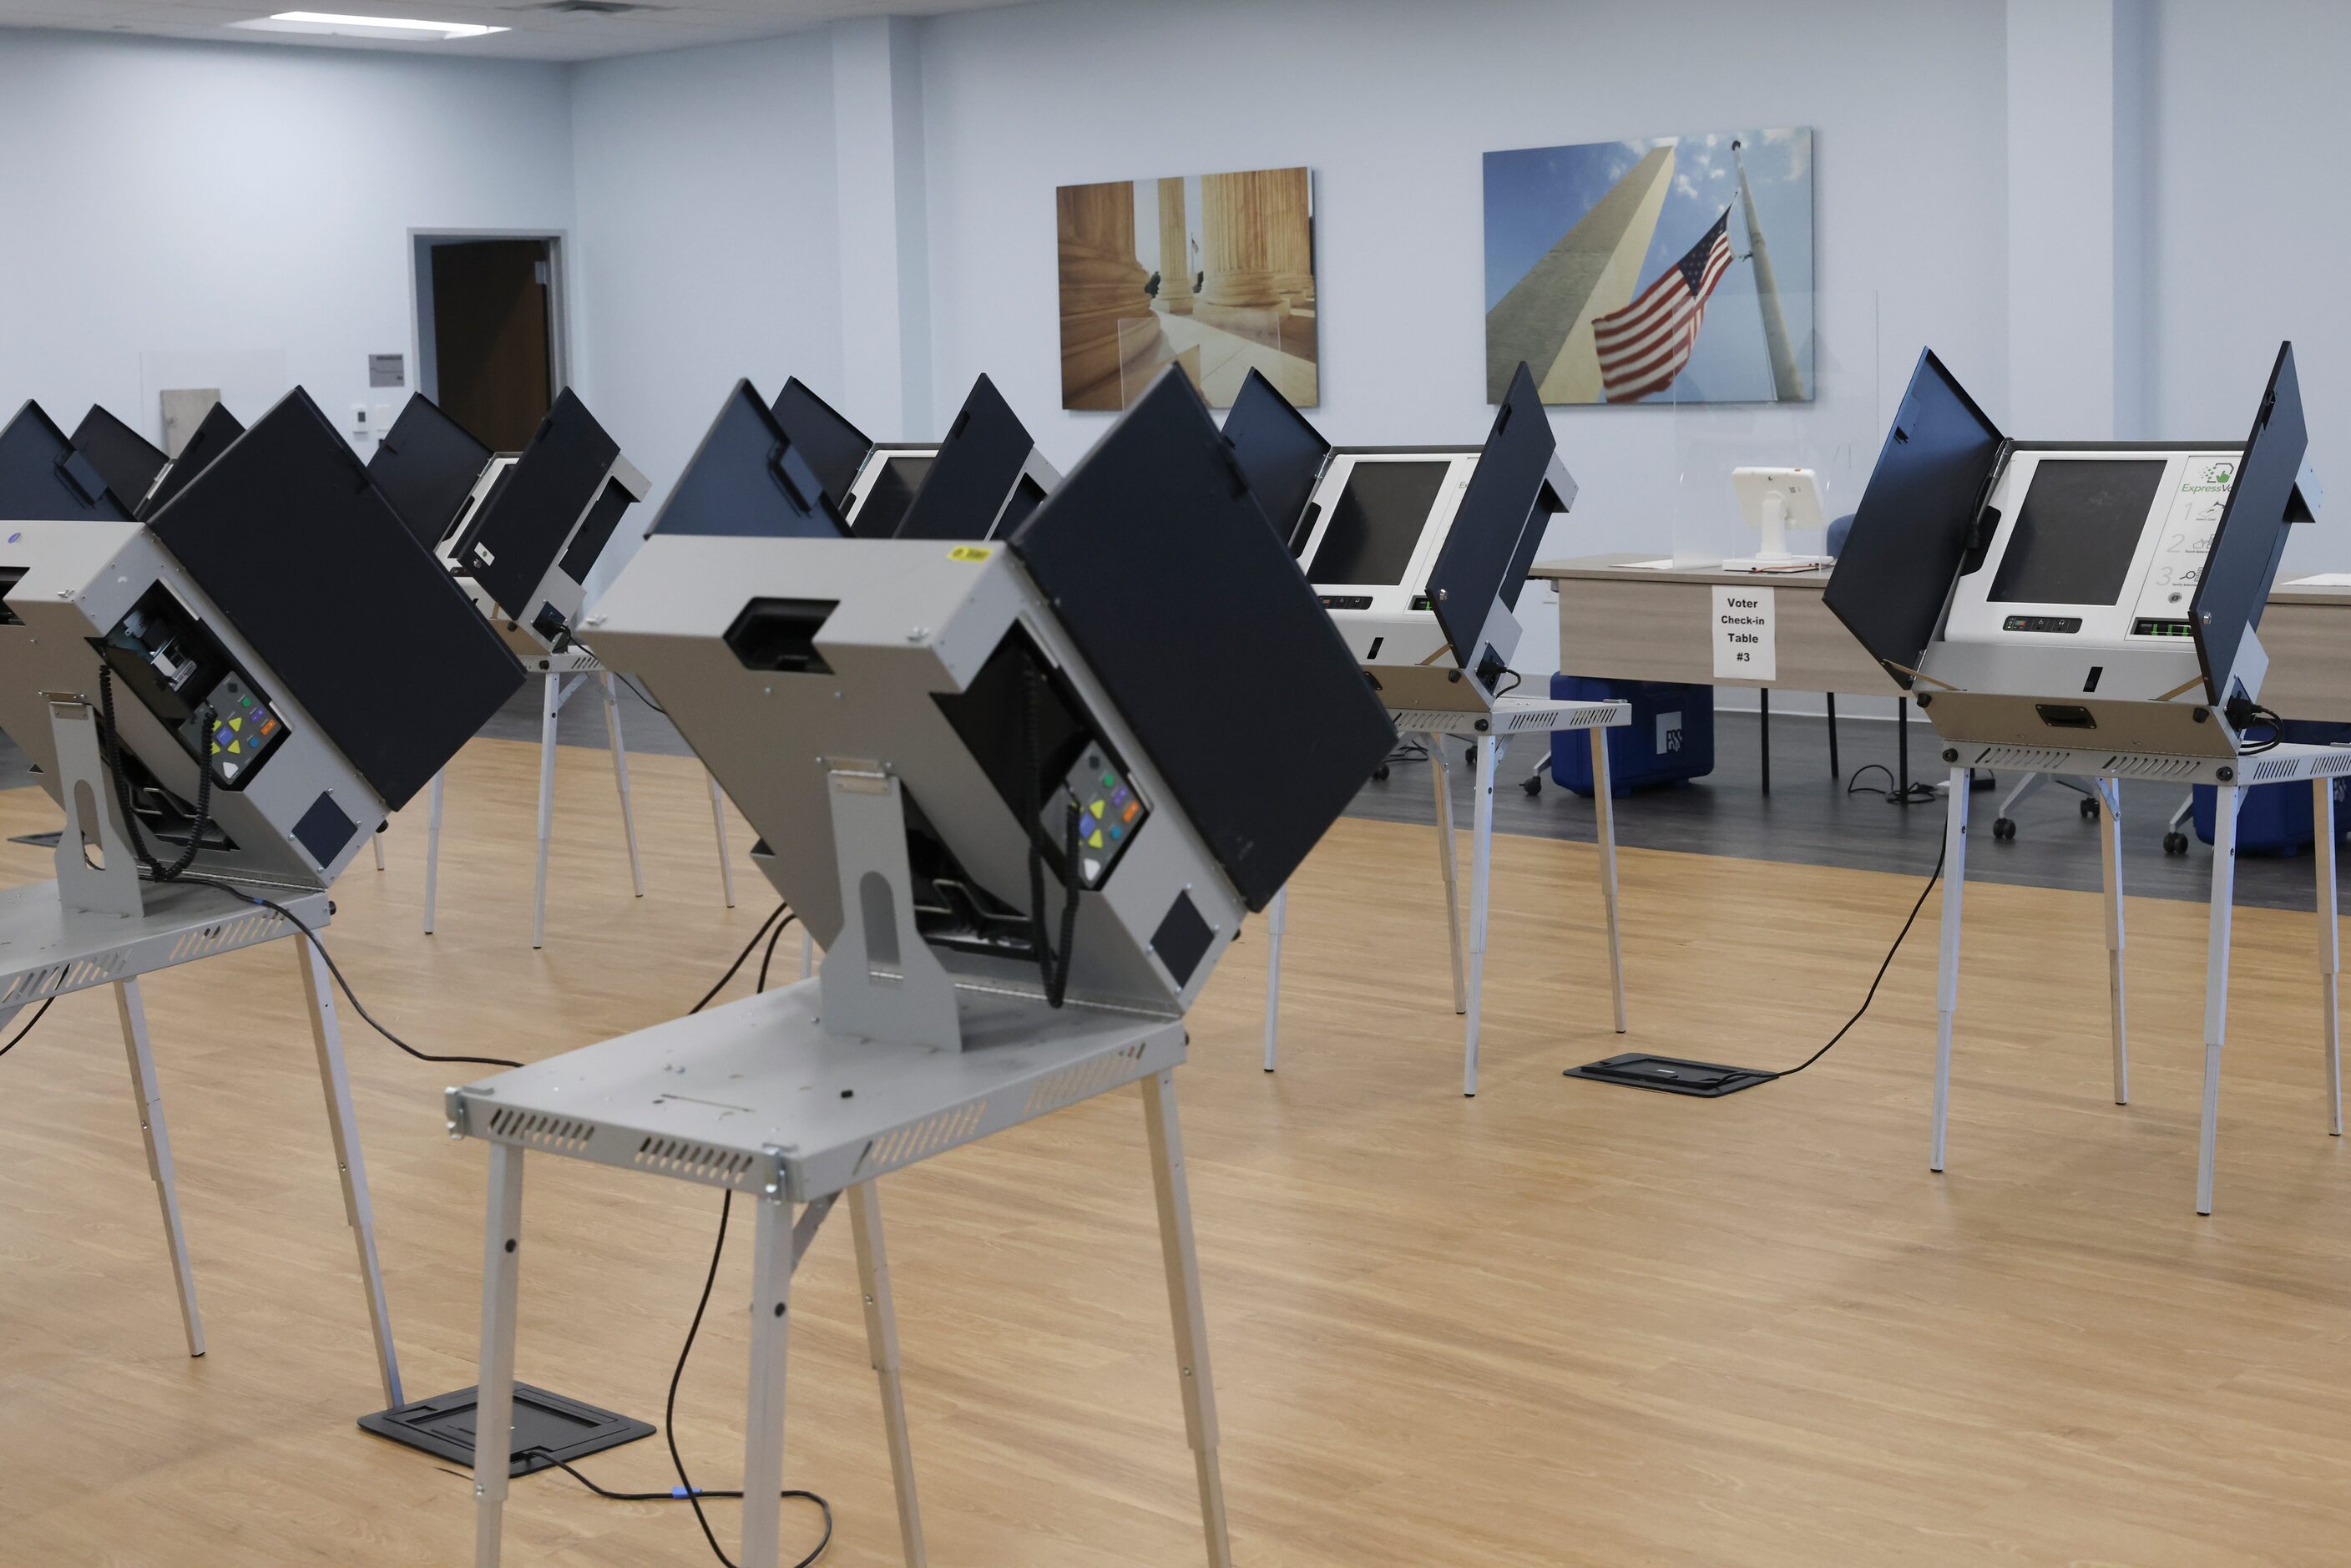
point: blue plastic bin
(1669, 741)
(2277, 819)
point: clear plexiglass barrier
(1787, 388)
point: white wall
(707, 249)
(1391, 102)
(2249, 230)
(228, 210)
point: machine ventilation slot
(2276, 769)
(535, 1127)
(2152, 767)
(2022, 758)
(917, 1140)
(239, 933)
(1071, 1084)
(56, 979)
(682, 1156)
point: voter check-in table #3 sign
(1745, 645)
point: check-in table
(1627, 622)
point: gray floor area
(1809, 818)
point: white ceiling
(537, 32)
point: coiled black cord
(205, 718)
(1053, 969)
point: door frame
(421, 242)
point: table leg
(2110, 852)
(2330, 947)
(882, 1341)
(548, 706)
(1604, 808)
(2228, 797)
(1440, 773)
(342, 1122)
(1481, 866)
(1183, 1305)
(149, 1094)
(1902, 749)
(1763, 709)
(718, 825)
(433, 847)
(808, 952)
(1834, 770)
(378, 837)
(1275, 914)
(763, 1430)
(621, 778)
(494, 1413)
(1947, 978)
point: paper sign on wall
(1744, 646)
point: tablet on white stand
(1775, 500)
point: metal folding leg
(494, 1415)
(2215, 979)
(433, 847)
(377, 837)
(2109, 796)
(1276, 915)
(149, 1094)
(763, 1430)
(1440, 773)
(1947, 978)
(718, 824)
(621, 778)
(881, 1342)
(1604, 809)
(550, 704)
(342, 1122)
(2330, 946)
(1481, 866)
(1183, 1263)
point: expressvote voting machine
(226, 701)
(1018, 789)
(1419, 554)
(977, 482)
(521, 532)
(2091, 608)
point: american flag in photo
(1644, 346)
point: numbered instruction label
(1744, 647)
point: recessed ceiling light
(394, 27)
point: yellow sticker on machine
(970, 552)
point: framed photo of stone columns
(1673, 269)
(1214, 273)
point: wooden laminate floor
(1560, 1324)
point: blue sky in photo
(1535, 194)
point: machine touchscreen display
(1377, 523)
(2077, 532)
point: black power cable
(687, 1490)
(21, 1033)
(177, 870)
(1932, 877)
(336, 970)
